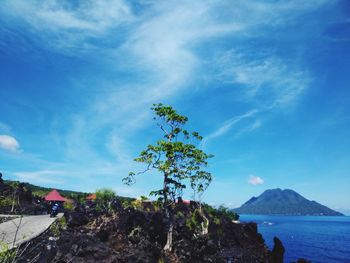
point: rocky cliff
(131, 235)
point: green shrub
(137, 204)
(126, 203)
(222, 212)
(62, 223)
(104, 198)
(68, 206)
(6, 255)
(179, 215)
(6, 201)
(144, 198)
(55, 229)
(193, 223)
(157, 205)
(225, 212)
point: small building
(91, 197)
(54, 196)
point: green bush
(179, 215)
(6, 255)
(68, 206)
(126, 203)
(193, 223)
(6, 201)
(157, 206)
(144, 198)
(104, 198)
(62, 223)
(55, 229)
(225, 212)
(222, 212)
(137, 204)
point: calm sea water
(321, 239)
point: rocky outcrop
(137, 236)
(16, 198)
(278, 250)
(76, 219)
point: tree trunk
(205, 225)
(13, 206)
(13, 203)
(169, 241)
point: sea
(320, 239)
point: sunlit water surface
(321, 239)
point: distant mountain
(284, 202)
(345, 211)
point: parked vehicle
(54, 210)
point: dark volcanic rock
(278, 250)
(302, 260)
(139, 236)
(75, 219)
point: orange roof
(54, 195)
(91, 197)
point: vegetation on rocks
(104, 199)
(137, 235)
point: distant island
(284, 202)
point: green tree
(104, 199)
(177, 159)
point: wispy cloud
(158, 47)
(268, 83)
(87, 16)
(256, 124)
(69, 25)
(227, 125)
(4, 128)
(278, 84)
(255, 180)
(41, 177)
(9, 143)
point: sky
(266, 83)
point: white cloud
(280, 84)
(69, 26)
(269, 81)
(227, 125)
(4, 128)
(160, 45)
(40, 177)
(88, 16)
(255, 180)
(250, 128)
(9, 143)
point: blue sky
(265, 82)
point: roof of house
(91, 197)
(54, 195)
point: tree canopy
(176, 157)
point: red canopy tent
(54, 195)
